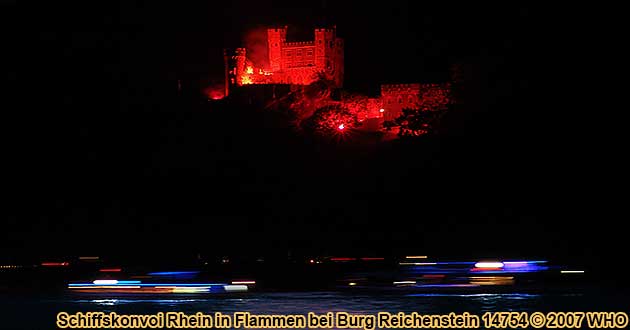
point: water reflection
(322, 302)
(105, 302)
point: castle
(301, 63)
(297, 63)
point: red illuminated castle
(302, 63)
(297, 63)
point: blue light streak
(150, 284)
(173, 273)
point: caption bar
(344, 320)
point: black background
(104, 158)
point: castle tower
(275, 38)
(227, 69)
(329, 54)
(234, 67)
(324, 46)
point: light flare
(489, 264)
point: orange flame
(246, 80)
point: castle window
(309, 52)
(400, 100)
(299, 52)
(331, 44)
(389, 101)
(410, 99)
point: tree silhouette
(417, 122)
(433, 102)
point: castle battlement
(278, 29)
(333, 29)
(399, 87)
(293, 62)
(298, 43)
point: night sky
(105, 159)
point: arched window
(400, 99)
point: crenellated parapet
(397, 88)
(298, 44)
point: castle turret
(234, 67)
(329, 54)
(324, 45)
(276, 37)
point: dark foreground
(39, 312)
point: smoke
(255, 41)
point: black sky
(103, 156)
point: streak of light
(489, 264)
(415, 257)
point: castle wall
(292, 62)
(397, 97)
(298, 55)
(299, 75)
(275, 38)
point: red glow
(55, 264)
(110, 270)
(286, 62)
(214, 92)
(418, 97)
(318, 65)
(475, 269)
(342, 259)
(433, 276)
(372, 259)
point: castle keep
(297, 63)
